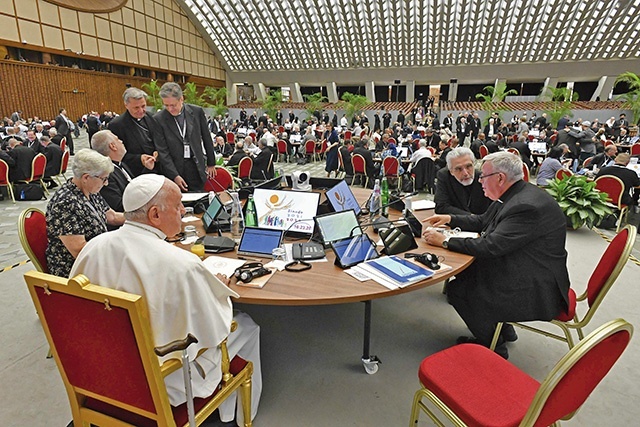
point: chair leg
(245, 396)
(44, 186)
(496, 336)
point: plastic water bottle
(250, 219)
(374, 204)
(384, 196)
(237, 222)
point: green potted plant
(580, 201)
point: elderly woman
(77, 212)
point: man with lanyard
(185, 132)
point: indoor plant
(580, 201)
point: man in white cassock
(182, 295)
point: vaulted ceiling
(299, 36)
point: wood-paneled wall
(41, 90)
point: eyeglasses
(104, 180)
(481, 177)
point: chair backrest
(63, 143)
(280, 129)
(553, 137)
(347, 135)
(222, 181)
(525, 172)
(587, 162)
(610, 265)
(359, 165)
(392, 141)
(514, 138)
(4, 173)
(613, 186)
(282, 147)
(635, 149)
(323, 146)
(32, 230)
(244, 167)
(484, 151)
(231, 138)
(608, 142)
(563, 173)
(95, 361)
(309, 147)
(433, 150)
(38, 165)
(340, 161)
(64, 164)
(513, 151)
(391, 166)
(577, 374)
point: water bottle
(251, 219)
(237, 223)
(384, 196)
(374, 204)
(22, 195)
(283, 178)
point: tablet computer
(337, 226)
(354, 250)
(342, 198)
(259, 242)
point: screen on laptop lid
(338, 225)
(286, 210)
(404, 151)
(341, 198)
(259, 241)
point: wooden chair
(614, 187)
(222, 181)
(563, 173)
(110, 371)
(231, 138)
(282, 150)
(391, 167)
(244, 168)
(32, 231)
(472, 386)
(514, 151)
(4, 179)
(635, 149)
(359, 169)
(602, 279)
(484, 151)
(38, 165)
(64, 165)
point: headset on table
(250, 271)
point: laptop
(337, 226)
(216, 217)
(341, 198)
(404, 152)
(259, 242)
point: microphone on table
(390, 203)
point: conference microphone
(388, 203)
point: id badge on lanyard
(183, 133)
(187, 150)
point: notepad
(396, 271)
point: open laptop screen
(341, 198)
(259, 241)
(338, 225)
(286, 210)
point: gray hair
(100, 141)
(160, 199)
(422, 143)
(171, 89)
(458, 152)
(53, 132)
(133, 93)
(507, 163)
(91, 162)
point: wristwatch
(445, 244)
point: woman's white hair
(91, 162)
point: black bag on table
(28, 191)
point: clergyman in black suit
(65, 127)
(185, 132)
(53, 153)
(520, 267)
(23, 157)
(262, 165)
(140, 133)
(458, 191)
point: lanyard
(183, 130)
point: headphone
(250, 271)
(428, 259)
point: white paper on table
(420, 205)
(193, 197)
(227, 266)
(190, 218)
(357, 274)
(189, 240)
(381, 280)
(277, 264)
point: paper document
(193, 197)
(420, 205)
(227, 266)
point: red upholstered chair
(32, 230)
(525, 172)
(244, 168)
(553, 138)
(587, 162)
(38, 165)
(602, 279)
(562, 173)
(321, 148)
(513, 151)
(222, 181)
(4, 179)
(392, 141)
(63, 143)
(282, 150)
(359, 169)
(310, 149)
(635, 149)
(608, 142)
(614, 187)
(391, 167)
(231, 138)
(347, 135)
(484, 151)
(64, 164)
(110, 372)
(473, 386)
(280, 129)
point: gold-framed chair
(64, 164)
(110, 370)
(614, 188)
(4, 179)
(472, 386)
(32, 231)
(602, 279)
(38, 166)
(359, 169)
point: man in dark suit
(33, 142)
(400, 119)
(520, 267)
(463, 130)
(185, 132)
(370, 166)
(458, 190)
(53, 153)
(140, 133)
(386, 120)
(93, 125)
(22, 156)
(606, 158)
(56, 138)
(345, 153)
(628, 177)
(522, 147)
(237, 155)
(621, 123)
(262, 163)
(65, 127)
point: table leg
(369, 361)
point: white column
(260, 91)
(605, 86)
(411, 89)
(296, 94)
(453, 90)
(549, 82)
(370, 91)
(332, 92)
(232, 92)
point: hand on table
(434, 237)
(438, 220)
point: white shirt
(420, 154)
